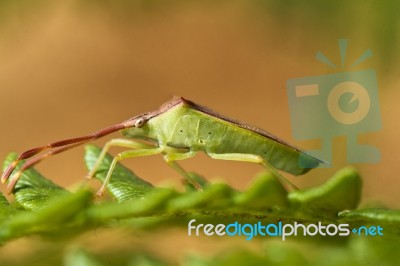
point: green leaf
(154, 201)
(389, 220)
(5, 209)
(50, 211)
(32, 190)
(58, 212)
(214, 196)
(372, 215)
(340, 192)
(264, 192)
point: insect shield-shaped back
(195, 132)
(210, 133)
(185, 132)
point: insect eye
(139, 122)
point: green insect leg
(125, 143)
(170, 159)
(125, 155)
(251, 158)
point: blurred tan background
(71, 68)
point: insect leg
(125, 155)
(170, 159)
(243, 157)
(125, 143)
(280, 177)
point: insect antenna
(35, 155)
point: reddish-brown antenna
(35, 155)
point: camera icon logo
(358, 92)
(340, 104)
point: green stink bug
(179, 129)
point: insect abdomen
(281, 157)
(197, 131)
